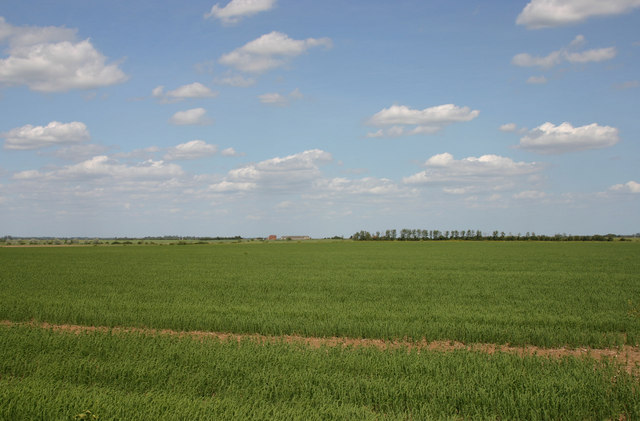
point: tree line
(477, 235)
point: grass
(545, 294)
(47, 374)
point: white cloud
(236, 81)
(530, 195)
(206, 66)
(600, 54)
(270, 51)
(191, 150)
(508, 127)
(225, 186)
(235, 10)
(565, 54)
(301, 174)
(366, 186)
(537, 80)
(426, 121)
(142, 153)
(550, 139)
(273, 99)
(230, 152)
(283, 174)
(27, 175)
(193, 90)
(627, 85)
(488, 172)
(377, 133)
(527, 60)
(158, 91)
(194, 116)
(31, 35)
(104, 167)
(280, 100)
(629, 187)
(53, 134)
(439, 115)
(78, 152)
(457, 190)
(296, 94)
(539, 14)
(49, 59)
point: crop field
(516, 294)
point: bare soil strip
(627, 355)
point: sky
(320, 118)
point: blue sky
(258, 117)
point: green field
(544, 294)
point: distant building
(273, 237)
(295, 237)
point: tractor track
(628, 356)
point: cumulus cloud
(193, 90)
(142, 153)
(194, 116)
(530, 195)
(31, 35)
(550, 139)
(79, 152)
(628, 187)
(230, 152)
(600, 54)
(270, 51)
(191, 150)
(273, 99)
(487, 172)
(53, 134)
(104, 167)
(366, 186)
(565, 54)
(238, 81)
(537, 80)
(276, 174)
(539, 14)
(627, 85)
(49, 59)
(508, 127)
(301, 174)
(235, 10)
(280, 100)
(402, 120)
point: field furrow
(626, 355)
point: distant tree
(405, 234)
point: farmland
(519, 293)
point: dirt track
(627, 355)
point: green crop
(545, 294)
(46, 374)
